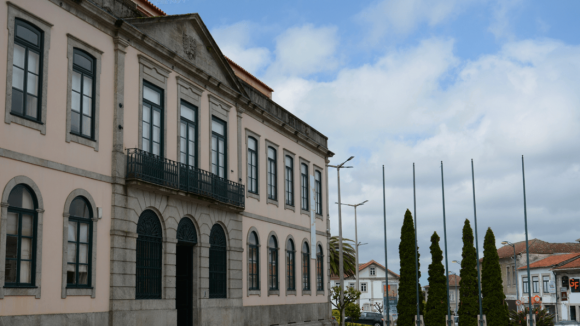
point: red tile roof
(151, 7)
(572, 264)
(538, 246)
(231, 62)
(553, 261)
(454, 280)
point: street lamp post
(356, 242)
(449, 321)
(531, 321)
(515, 268)
(340, 262)
(481, 320)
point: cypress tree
(491, 284)
(407, 305)
(468, 303)
(437, 302)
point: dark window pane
(10, 271)
(79, 208)
(17, 101)
(70, 274)
(27, 35)
(20, 197)
(83, 62)
(11, 247)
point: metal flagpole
(481, 320)
(388, 308)
(416, 254)
(450, 321)
(527, 245)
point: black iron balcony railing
(152, 168)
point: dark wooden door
(184, 285)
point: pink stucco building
(146, 179)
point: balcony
(153, 169)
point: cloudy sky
(394, 82)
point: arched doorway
(186, 239)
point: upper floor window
(152, 119)
(80, 234)
(21, 238)
(218, 147)
(536, 284)
(252, 165)
(290, 268)
(319, 269)
(363, 287)
(188, 134)
(304, 186)
(546, 282)
(82, 90)
(273, 263)
(526, 285)
(305, 267)
(318, 188)
(272, 185)
(373, 271)
(289, 176)
(27, 70)
(253, 262)
(508, 276)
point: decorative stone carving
(189, 46)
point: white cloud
(235, 42)
(503, 13)
(422, 104)
(403, 16)
(305, 50)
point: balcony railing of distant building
(151, 168)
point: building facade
(538, 250)
(148, 180)
(372, 287)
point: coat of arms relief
(189, 46)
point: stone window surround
(257, 137)
(321, 171)
(289, 292)
(303, 161)
(192, 94)
(306, 292)
(293, 156)
(16, 12)
(273, 292)
(220, 109)
(72, 43)
(35, 291)
(79, 291)
(157, 75)
(315, 270)
(269, 143)
(259, 291)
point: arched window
(149, 256)
(21, 237)
(305, 267)
(80, 238)
(273, 263)
(186, 231)
(27, 71)
(252, 165)
(217, 263)
(319, 269)
(290, 269)
(253, 262)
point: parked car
(568, 323)
(368, 318)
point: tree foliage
(407, 305)
(494, 306)
(543, 317)
(352, 311)
(348, 256)
(468, 292)
(351, 295)
(437, 302)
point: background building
(148, 180)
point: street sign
(552, 287)
(564, 296)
